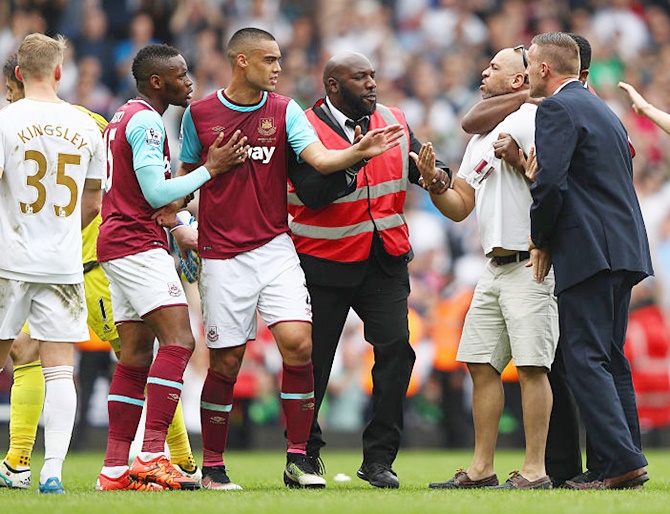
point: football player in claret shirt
(147, 296)
(248, 259)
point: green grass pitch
(260, 474)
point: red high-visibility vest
(342, 231)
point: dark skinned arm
(486, 114)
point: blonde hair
(39, 54)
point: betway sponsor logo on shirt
(261, 153)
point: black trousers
(380, 300)
(593, 318)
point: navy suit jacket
(584, 205)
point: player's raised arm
(374, 143)
(641, 106)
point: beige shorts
(143, 283)
(56, 312)
(511, 316)
(268, 278)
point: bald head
(506, 73)
(349, 79)
(343, 63)
(511, 60)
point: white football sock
(60, 407)
(113, 471)
(147, 456)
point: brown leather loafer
(462, 481)
(631, 480)
(518, 481)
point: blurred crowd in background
(428, 55)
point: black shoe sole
(443, 485)
(186, 487)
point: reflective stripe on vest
(299, 229)
(353, 218)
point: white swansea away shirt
(47, 151)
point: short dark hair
(9, 69)
(241, 39)
(584, 50)
(150, 60)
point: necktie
(364, 123)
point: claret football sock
(124, 405)
(164, 386)
(297, 399)
(216, 402)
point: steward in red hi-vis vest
(376, 203)
(350, 232)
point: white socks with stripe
(60, 407)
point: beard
(358, 105)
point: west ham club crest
(266, 127)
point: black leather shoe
(583, 478)
(379, 475)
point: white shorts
(268, 278)
(57, 312)
(511, 316)
(142, 283)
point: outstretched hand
(432, 179)
(639, 103)
(379, 140)
(223, 158)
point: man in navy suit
(586, 219)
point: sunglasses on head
(524, 54)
